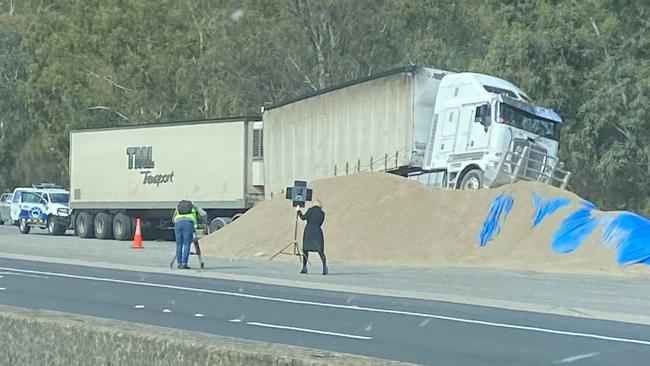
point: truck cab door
(448, 134)
(466, 119)
(479, 135)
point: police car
(43, 205)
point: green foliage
(75, 64)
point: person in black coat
(312, 239)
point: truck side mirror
(483, 115)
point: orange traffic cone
(137, 238)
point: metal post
(566, 180)
(396, 162)
(346, 168)
(359, 166)
(335, 170)
(550, 178)
(522, 159)
(371, 167)
(386, 162)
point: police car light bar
(46, 185)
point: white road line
(22, 274)
(2, 288)
(198, 315)
(576, 358)
(139, 307)
(346, 307)
(307, 330)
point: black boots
(322, 258)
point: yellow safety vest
(194, 216)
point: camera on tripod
(299, 193)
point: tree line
(76, 64)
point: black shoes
(325, 270)
(184, 266)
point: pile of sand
(380, 218)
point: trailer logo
(141, 157)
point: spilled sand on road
(378, 218)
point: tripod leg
(281, 250)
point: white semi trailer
(457, 130)
(120, 174)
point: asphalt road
(426, 332)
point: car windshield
(523, 120)
(62, 198)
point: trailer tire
(103, 225)
(54, 227)
(84, 225)
(218, 223)
(122, 227)
(23, 227)
(473, 179)
(2, 222)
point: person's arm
(202, 216)
(301, 215)
(174, 216)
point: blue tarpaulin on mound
(546, 207)
(499, 210)
(574, 229)
(630, 233)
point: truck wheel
(122, 227)
(473, 179)
(54, 227)
(217, 223)
(2, 222)
(84, 225)
(103, 226)
(23, 227)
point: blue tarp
(630, 233)
(546, 207)
(499, 210)
(575, 229)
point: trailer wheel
(103, 225)
(122, 227)
(84, 225)
(217, 223)
(23, 227)
(473, 179)
(54, 227)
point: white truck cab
(42, 205)
(484, 128)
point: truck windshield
(62, 198)
(523, 120)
